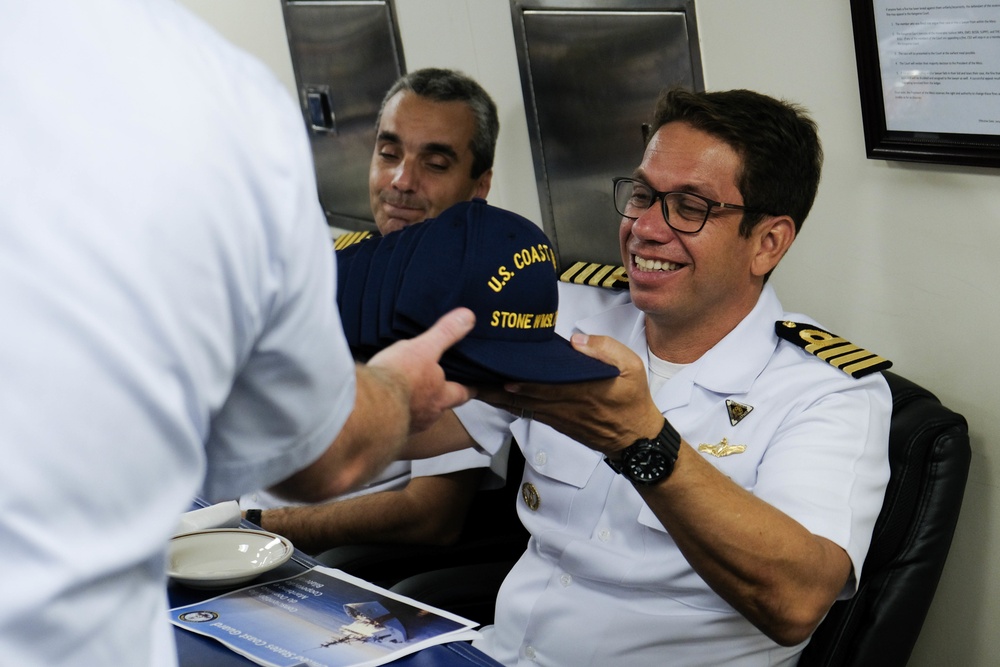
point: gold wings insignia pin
(721, 449)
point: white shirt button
(604, 535)
(529, 652)
(541, 458)
(565, 580)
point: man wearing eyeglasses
(708, 506)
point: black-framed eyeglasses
(684, 212)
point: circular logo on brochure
(198, 616)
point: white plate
(221, 557)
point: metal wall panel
(345, 54)
(590, 73)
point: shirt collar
(730, 367)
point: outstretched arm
(429, 510)
(402, 390)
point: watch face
(648, 464)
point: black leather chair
(929, 455)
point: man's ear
(483, 184)
(773, 235)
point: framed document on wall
(929, 77)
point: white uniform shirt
(167, 297)
(602, 582)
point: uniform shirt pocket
(554, 455)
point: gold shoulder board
(350, 238)
(846, 356)
(596, 275)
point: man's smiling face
(683, 281)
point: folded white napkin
(220, 515)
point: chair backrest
(929, 457)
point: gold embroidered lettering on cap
(737, 411)
(501, 319)
(838, 352)
(722, 448)
(530, 495)
(533, 255)
(349, 239)
(502, 277)
(596, 275)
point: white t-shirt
(169, 320)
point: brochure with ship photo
(321, 618)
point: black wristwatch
(647, 461)
(253, 516)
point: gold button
(530, 495)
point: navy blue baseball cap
(503, 268)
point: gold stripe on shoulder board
(350, 238)
(848, 357)
(596, 275)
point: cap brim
(550, 362)
(461, 370)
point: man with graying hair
(435, 140)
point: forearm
(429, 510)
(446, 435)
(372, 437)
(768, 566)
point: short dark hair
(447, 85)
(776, 141)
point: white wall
(900, 258)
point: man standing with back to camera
(169, 320)
(435, 140)
(710, 504)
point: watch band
(670, 438)
(254, 516)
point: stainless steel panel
(590, 73)
(345, 54)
